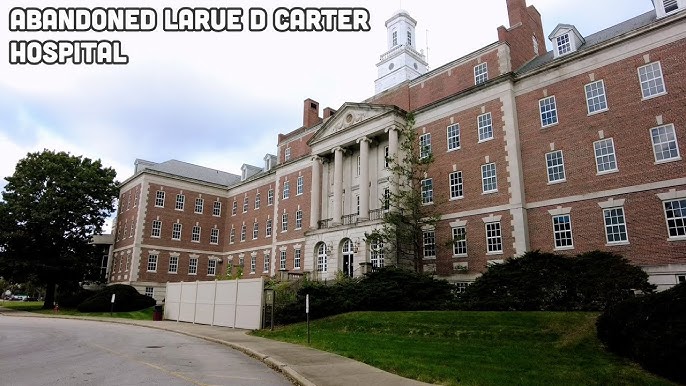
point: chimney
(516, 10)
(310, 113)
(328, 112)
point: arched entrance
(348, 257)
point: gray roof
(200, 173)
(595, 39)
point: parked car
(19, 297)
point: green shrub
(72, 299)
(650, 330)
(127, 299)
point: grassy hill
(474, 348)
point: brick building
(571, 150)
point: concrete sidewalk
(304, 365)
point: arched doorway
(348, 257)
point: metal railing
(349, 219)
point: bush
(72, 299)
(650, 330)
(127, 299)
(540, 281)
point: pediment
(350, 116)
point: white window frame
(173, 264)
(193, 266)
(563, 44)
(253, 263)
(485, 124)
(427, 191)
(234, 207)
(255, 230)
(199, 205)
(299, 185)
(287, 154)
(602, 158)
(456, 184)
(270, 197)
(284, 222)
(494, 238)
(386, 199)
(489, 178)
(547, 108)
(282, 260)
(297, 258)
(150, 291)
(429, 244)
(214, 236)
(156, 229)
(286, 190)
(377, 254)
(268, 228)
(452, 133)
(656, 80)
(678, 217)
(322, 258)
(596, 99)
(555, 169)
(245, 204)
(424, 145)
(459, 241)
(299, 219)
(152, 262)
(211, 267)
(232, 235)
(159, 199)
(180, 202)
(266, 263)
(615, 227)
(480, 73)
(257, 201)
(177, 228)
(385, 157)
(563, 236)
(195, 234)
(217, 209)
(667, 136)
(243, 232)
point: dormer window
(670, 5)
(244, 173)
(667, 7)
(563, 45)
(566, 39)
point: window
(563, 44)
(150, 291)
(176, 231)
(195, 234)
(494, 238)
(409, 38)
(299, 219)
(243, 230)
(489, 182)
(680, 278)
(217, 209)
(257, 201)
(299, 185)
(386, 199)
(199, 204)
(562, 231)
(152, 263)
(395, 38)
(173, 264)
(214, 236)
(670, 5)
(135, 199)
(357, 202)
(180, 200)
(131, 229)
(255, 230)
(282, 261)
(268, 230)
(556, 166)
(270, 197)
(429, 240)
(296, 259)
(322, 262)
(234, 209)
(159, 199)
(193, 266)
(359, 165)
(385, 157)
(424, 145)
(232, 236)
(286, 190)
(267, 263)
(535, 43)
(377, 254)
(460, 241)
(675, 213)
(253, 263)
(651, 80)
(245, 204)
(615, 225)
(595, 97)
(211, 267)
(605, 155)
(287, 154)
(156, 229)
(427, 191)
(461, 287)
(453, 132)
(665, 146)
(548, 111)
(284, 222)
(456, 190)
(485, 123)
(480, 73)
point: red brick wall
(291, 204)
(127, 215)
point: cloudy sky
(220, 99)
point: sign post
(112, 306)
(307, 312)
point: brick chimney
(516, 9)
(525, 35)
(310, 113)
(328, 112)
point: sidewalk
(305, 366)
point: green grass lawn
(145, 314)
(474, 348)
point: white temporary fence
(228, 303)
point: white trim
(611, 203)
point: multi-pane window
(286, 190)
(429, 241)
(245, 204)
(282, 261)
(195, 234)
(460, 241)
(217, 209)
(152, 263)
(267, 263)
(359, 165)
(176, 231)
(253, 264)
(427, 191)
(395, 38)
(156, 229)
(562, 231)
(456, 187)
(485, 123)
(548, 111)
(670, 5)
(299, 185)
(298, 219)
(180, 201)
(287, 154)
(255, 230)
(489, 180)
(193, 266)
(159, 199)
(675, 213)
(453, 133)
(605, 159)
(297, 258)
(409, 38)
(135, 199)
(615, 225)
(150, 291)
(480, 73)
(284, 222)
(214, 236)
(270, 197)
(652, 83)
(386, 199)
(199, 204)
(494, 237)
(424, 145)
(357, 201)
(173, 264)
(665, 146)
(595, 97)
(257, 201)
(377, 254)
(563, 44)
(131, 229)
(322, 261)
(385, 157)
(232, 236)
(126, 228)
(268, 229)
(556, 166)
(234, 208)
(211, 267)
(243, 230)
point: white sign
(307, 304)
(113, 295)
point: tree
(408, 215)
(53, 204)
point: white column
(364, 178)
(315, 203)
(337, 185)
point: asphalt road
(36, 351)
